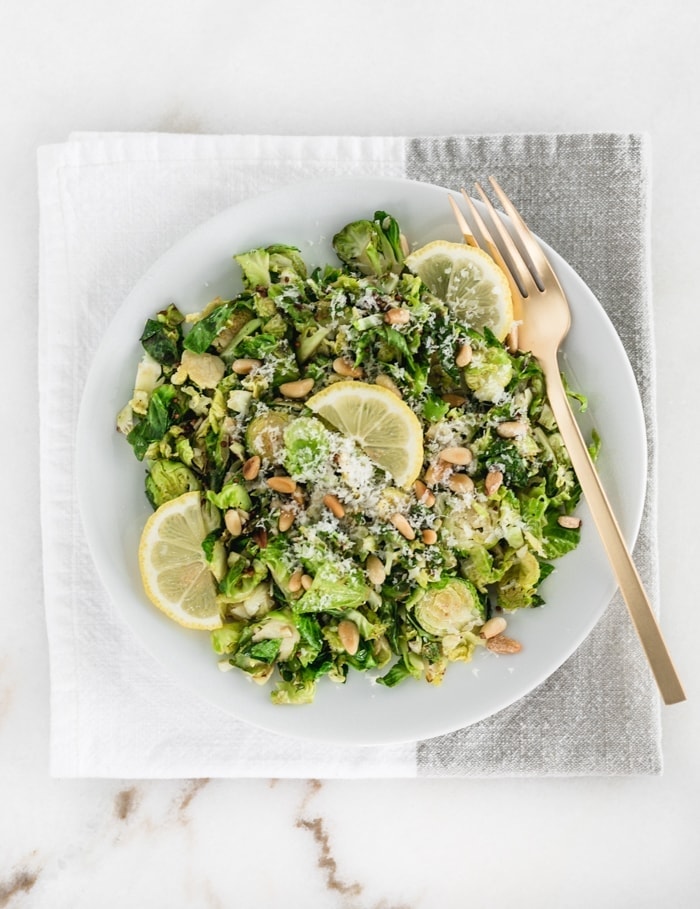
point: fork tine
(531, 245)
(518, 265)
(469, 238)
(495, 254)
(493, 250)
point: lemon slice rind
(469, 281)
(176, 576)
(383, 425)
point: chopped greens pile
(207, 413)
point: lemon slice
(175, 573)
(469, 281)
(381, 423)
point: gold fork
(543, 310)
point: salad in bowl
(351, 467)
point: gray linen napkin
(587, 196)
(110, 204)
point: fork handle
(625, 571)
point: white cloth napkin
(109, 206)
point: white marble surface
(369, 67)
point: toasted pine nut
(349, 636)
(405, 248)
(332, 503)
(397, 316)
(286, 519)
(436, 473)
(403, 527)
(375, 570)
(493, 481)
(456, 455)
(464, 356)
(429, 536)
(344, 367)
(499, 643)
(295, 581)
(461, 483)
(282, 484)
(423, 494)
(570, 521)
(298, 389)
(244, 366)
(454, 400)
(233, 522)
(494, 626)
(511, 429)
(251, 468)
(389, 384)
(306, 581)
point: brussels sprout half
(449, 607)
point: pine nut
(233, 522)
(494, 626)
(397, 316)
(464, 356)
(429, 536)
(332, 503)
(286, 519)
(349, 636)
(389, 384)
(251, 468)
(569, 521)
(306, 581)
(285, 485)
(512, 429)
(295, 581)
(403, 527)
(298, 389)
(456, 455)
(499, 643)
(454, 400)
(405, 248)
(375, 570)
(461, 483)
(423, 494)
(493, 481)
(345, 367)
(245, 366)
(436, 473)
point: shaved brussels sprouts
(265, 434)
(322, 565)
(449, 607)
(371, 247)
(489, 373)
(167, 480)
(307, 448)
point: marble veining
(21, 881)
(325, 861)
